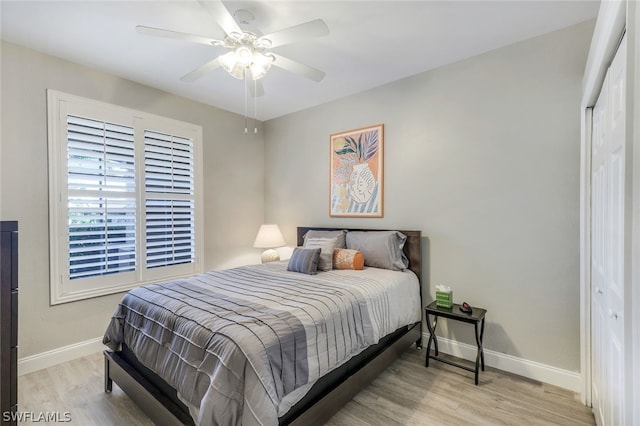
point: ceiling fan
(249, 54)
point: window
(125, 198)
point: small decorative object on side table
(476, 317)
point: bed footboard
(160, 409)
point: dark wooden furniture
(476, 317)
(8, 320)
(159, 401)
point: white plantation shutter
(101, 236)
(102, 198)
(169, 205)
(170, 232)
(125, 198)
(168, 163)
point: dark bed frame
(160, 402)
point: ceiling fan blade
(201, 71)
(297, 68)
(311, 29)
(256, 89)
(159, 32)
(222, 16)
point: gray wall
(233, 177)
(483, 157)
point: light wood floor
(407, 393)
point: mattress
(242, 345)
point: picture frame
(356, 182)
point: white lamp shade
(269, 236)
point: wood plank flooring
(407, 393)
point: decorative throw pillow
(381, 249)
(348, 259)
(326, 246)
(304, 260)
(339, 234)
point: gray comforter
(242, 345)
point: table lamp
(269, 237)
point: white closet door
(599, 255)
(615, 283)
(607, 250)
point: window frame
(62, 288)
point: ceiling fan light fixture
(230, 63)
(237, 61)
(238, 72)
(244, 56)
(261, 65)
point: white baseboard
(36, 362)
(533, 370)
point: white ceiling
(370, 42)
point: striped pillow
(340, 235)
(304, 260)
(326, 245)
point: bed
(213, 364)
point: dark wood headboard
(412, 247)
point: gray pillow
(381, 249)
(304, 260)
(339, 234)
(326, 245)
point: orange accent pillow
(348, 259)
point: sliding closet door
(607, 249)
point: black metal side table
(476, 317)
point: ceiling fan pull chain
(246, 101)
(255, 107)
